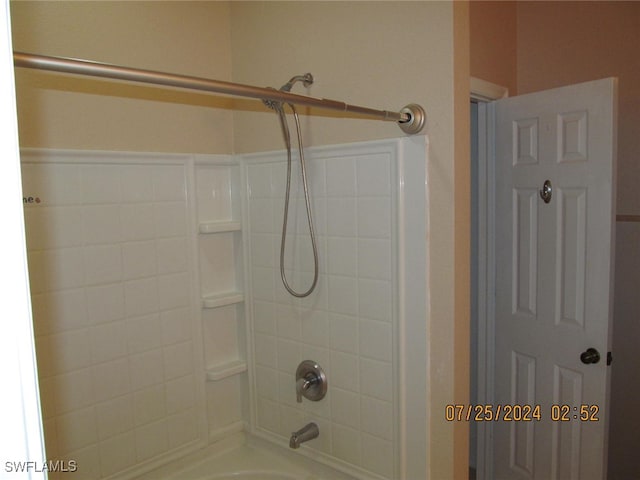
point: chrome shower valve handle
(311, 381)
(303, 384)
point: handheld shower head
(278, 106)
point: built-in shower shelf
(222, 299)
(224, 370)
(219, 227)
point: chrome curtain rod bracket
(411, 118)
(417, 118)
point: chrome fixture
(307, 80)
(411, 119)
(306, 433)
(311, 381)
(591, 355)
(546, 191)
(416, 119)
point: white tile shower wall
(109, 244)
(349, 323)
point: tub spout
(306, 433)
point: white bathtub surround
(117, 296)
(353, 324)
(162, 325)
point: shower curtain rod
(411, 119)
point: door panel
(565, 436)
(523, 374)
(570, 249)
(553, 278)
(525, 251)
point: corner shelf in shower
(219, 227)
(222, 299)
(224, 370)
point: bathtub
(244, 457)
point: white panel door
(554, 281)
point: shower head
(306, 79)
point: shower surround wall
(352, 323)
(162, 325)
(117, 295)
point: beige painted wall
(493, 46)
(383, 55)
(379, 54)
(190, 38)
(529, 46)
(560, 43)
(462, 237)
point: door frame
(483, 92)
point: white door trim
(483, 92)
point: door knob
(546, 191)
(590, 355)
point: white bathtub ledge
(233, 458)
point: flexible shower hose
(287, 138)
